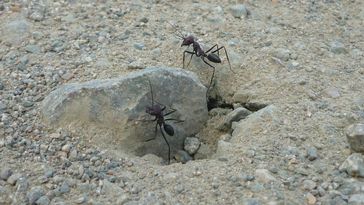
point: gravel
(297, 67)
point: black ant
(210, 54)
(157, 110)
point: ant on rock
(157, 110)
(209, 54)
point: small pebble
(182, 156)
(139, 46)
(312, 153)
(311, 199)
(309, 185)
(191, 145)
(239, 10)
(34, 194)
(355, 136)
(332, 92)
(282, 54)
(264, 176)
(64, 188)
(32, 49)
(337, 47)
(14, 178)
(43, 200)
(5, 173)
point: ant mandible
(157, 110)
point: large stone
(355, 136)
(112, 112)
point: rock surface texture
(112, 113)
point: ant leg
(168, 113)
(189, 61)
(213, 74)
(212, 48)
(171, 119)
(163, 108)
(184, 54)
(169, 148)
(226, 54)
(155, 133)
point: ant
(210, 54)
(157, 110)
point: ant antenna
(151, 91)
(178, 33)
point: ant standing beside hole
(212, 54)
(157, 110)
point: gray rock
(309, 185)
(37, 9)
(34, 194)
(49, 172)
(37, 35)
(139, 46)
(255, 121)
(15, 31)
(355, 136)
(112, 109)
(43, 200)
(60, 201)
(65, 188)
(2, 86)
(264, 176)
(2, 107)
(135, 65)
(239, 10)
(28, 103)
(332, 92)
(14, 178)
(282, 54)
(57, 45)
(66, 148)
(337, 47)
(191, 145)
(5, 173)
(234, 116)
(312, 153)
(182, 156)
(81, 200)
(22, 185)
(32, 49)
(354, 165)
(356, 199)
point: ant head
(188, 40)
(153, 110)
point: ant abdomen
(169, 129)
(214, 58)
